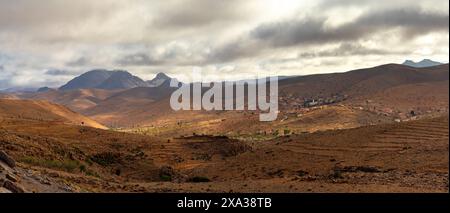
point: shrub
(91, 173)
(82, 168)
(337, 174)
(276, 132)
(106, 158)
(165, 178)
(118, 172)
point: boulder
(13, 187)
(11, 177)
(7, 159)
(3, 190)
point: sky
(48, 42)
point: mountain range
(421, 64)
(144, 103)
(365, 125)
(119, 97)
(111, 80)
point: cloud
(350, 49)
(410, 22)
(50, 41)
(20, 14)
(57, 72)
(4, 84)
(138, 59)
(200, 13)
(335, 4)
(81, 61)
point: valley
(381, 129)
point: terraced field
(422, 132)
(401, 157)
(412, 154)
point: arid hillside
(343, 100)
(333, 134)
(404, 157)
(391, 90)
(29, 110)
(76, 100)
(362, 82)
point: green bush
(165, 178)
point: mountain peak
(88, 79)
(159, 79)
(44, 89)
(104, 79)
(161, 75)
(121, 79)
(421, 64)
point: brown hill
(43, 111)
(363, 81)
(393, 90)
(8, 96)
(148, 106)
(76, 100)
(404, 157)
(420, 98)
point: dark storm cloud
(313, 31)
(412, 21)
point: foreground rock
(13, 187)
(8, 160)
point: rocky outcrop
(13, 187)
(7, 159)
(8, 181)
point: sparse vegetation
(166, 178)
(336, 174)
(91, 173)
(276, 132)
(82, 168)
(65, 165)
(106, 158)
(287, 131)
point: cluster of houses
(294, 102)
(312, 102)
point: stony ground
(404, 157)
